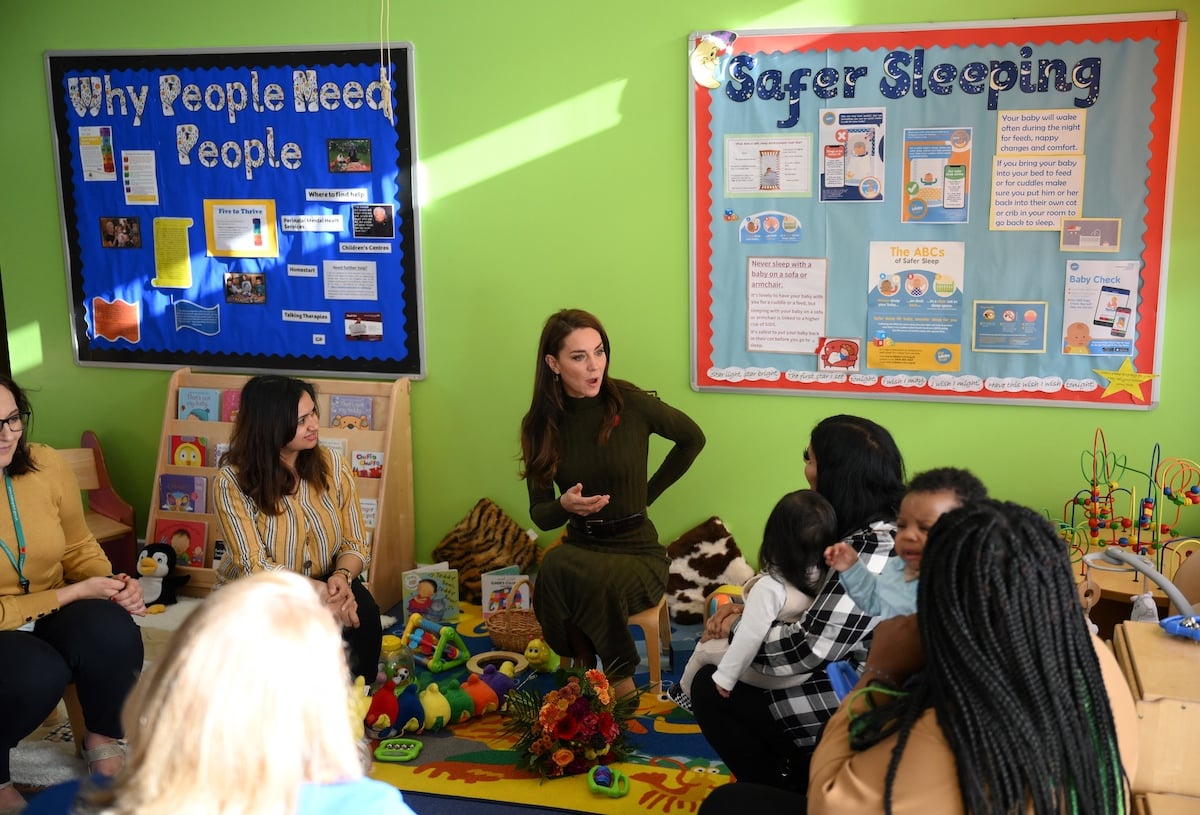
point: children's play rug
(672, 770)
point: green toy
(398, 749)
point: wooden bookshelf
(392, 536)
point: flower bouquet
(571, 729)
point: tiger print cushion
(703, 558)
(484, 540)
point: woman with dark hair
(589, 434)
(286, 502)
(64, 615)
(994, 698)
(767, 735)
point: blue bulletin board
(957, 212)
(244, 209)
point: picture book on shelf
(189, 451)
(219, 448)
(182, 493)
(370, 511)
(431, 591)
(497, 590)
(218, 553)
(367, 463)
(188, 538)
(199, 403)
(231, 399)
(350, 412)
(339, 445)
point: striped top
(314, 529)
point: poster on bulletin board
(972, 212)
(249, 209)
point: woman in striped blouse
(286, 502)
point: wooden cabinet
(1161, 670)
(391, 536)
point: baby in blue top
(893, 592)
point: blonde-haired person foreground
(241, 716)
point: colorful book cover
(431, 591)
(367, 463)
(497, 589)
(189, 451)
(182, 493)
(219, 448)
(188, 538)
(350, 412)
(370, 511)
(231, 399)
(199, 403)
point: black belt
(607, 529)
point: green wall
(554, 136)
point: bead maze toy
(437, 646)
(1109, 514)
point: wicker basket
(511, 629)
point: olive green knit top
(619, 468)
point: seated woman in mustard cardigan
(64, 615)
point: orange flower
(562, 757)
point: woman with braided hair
(994, 698)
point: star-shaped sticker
(1125, 378)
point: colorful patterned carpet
(672, 770)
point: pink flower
(607, 726)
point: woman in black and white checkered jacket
(767, 736)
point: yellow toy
(540, 657)
(360, 701)
(437, 707)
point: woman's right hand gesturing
(576, 503)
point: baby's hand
(724, 693)
(841, 556)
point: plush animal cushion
(484, 540)
(703, 558)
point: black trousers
(93, 643)
(740, 798)
(363, 643)
(745, 735)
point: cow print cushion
(703, 558)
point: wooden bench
(108, 515)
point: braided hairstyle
(1010, 669)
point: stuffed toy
(499, 682)
(703, 558)
(540, 657)
(383, 710)
(156, 574)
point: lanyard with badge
(18, 562)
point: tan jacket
(843, 781)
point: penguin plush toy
(156, 574)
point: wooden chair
(110, 517)
(655, 623)
(75, 716)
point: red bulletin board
(970, 212)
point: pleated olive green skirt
(596, 586)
